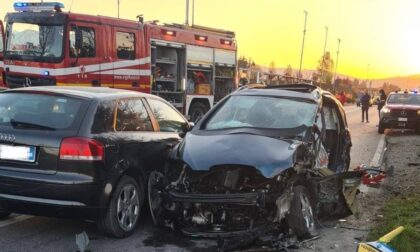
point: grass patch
(400, 212)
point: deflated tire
(302, 218)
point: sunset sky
(384, 33)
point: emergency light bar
(226, 42)
(201, 38)
(168, 33)
(37, 7)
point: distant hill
(409, 82)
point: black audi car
(83, 152)
(263, 159)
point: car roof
(404, 92)
(302, 91)
(97, 93)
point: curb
(378, 158)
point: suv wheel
(122, 215)
(301, 218)
(381, 128)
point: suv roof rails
(302, 87)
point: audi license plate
(402, 119)
(17, 153)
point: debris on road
(82, 242)
(372, 176)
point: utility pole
(118, 3)
(303, 44)
(187, 13)
(336, 62)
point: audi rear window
(40, 111)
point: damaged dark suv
(273, 158)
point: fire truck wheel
(197, 111)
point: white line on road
(15, 219)
(377, 158)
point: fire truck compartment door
(225, 57)
(200, 55)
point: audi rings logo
(7, 138)
(403, 113)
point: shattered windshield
(35, 40)
(262, 112)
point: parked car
(83, 152)
(358, 100)
(263, 158)
(374, 100)
(401, 111)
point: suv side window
(104, 117)
(88, 42)
(169, 119)
(132, 116)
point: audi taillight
(81, 149)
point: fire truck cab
(190, 66)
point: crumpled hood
(269, 155)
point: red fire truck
(192, 67)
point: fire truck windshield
(26, 41)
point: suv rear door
(32, 126)
(2, 81)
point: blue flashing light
(48, 6)
(46, 73)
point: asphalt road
(28, 233)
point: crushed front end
(227, 200)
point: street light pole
(323, 71)
(118, 3)
(187, 14)
(326, 39)
(303, 44)
(193, 12)
(336, 62)
(367, 78)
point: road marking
(15, 219)
(377, 158)
(351, 109)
